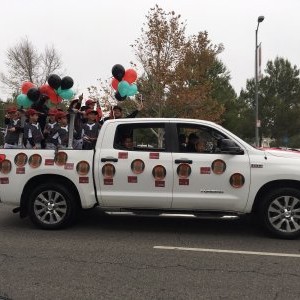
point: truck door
(205, 178)
(135, 166)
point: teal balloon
(123, 88)
(132, 90)
(23, 101)
(65, 94)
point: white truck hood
(283, 153)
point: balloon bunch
(30, 94)
(124, 82)
(58, 88)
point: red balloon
(130, 76)
(114, 83)
(26, 86)
(50, 92)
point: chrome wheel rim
(284, 214)
(50, 207)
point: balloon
(119, 97)
(23, 101)
(118, 72)
(114, 83)
(26, 86)
(55, 100)
(50, 92)
(66, 83)
(34, 94)
(54, 81)
(123, 86)
(130, 76)
(66, 94)
(132, 90)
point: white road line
(227, 251)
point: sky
(93, 35)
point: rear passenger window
(140, 137)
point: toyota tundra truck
(173, 166)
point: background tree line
(182, 76)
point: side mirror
(228, 146)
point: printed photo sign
(35, 161)
(137, 166)
(184, 170)
(61, 158)
(237, 180)
(83, 167)
(21, 159)
(159, 172)
(218, 166)
(108, 171)
(5, 166)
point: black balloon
(118, 72)
(33, 94)
(119, 97)
(66, 83)
(54, 81)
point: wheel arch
(51, 178)
(276, 184)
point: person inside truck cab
(127, 142)
(193, 139)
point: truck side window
(140, 137)
(197, 139)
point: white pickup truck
(160, 174)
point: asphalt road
(104, 257)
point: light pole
(259, 20)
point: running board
(151, 213)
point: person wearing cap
(32, 130)
(50, 129)
(117, 113)
(13, 128)
(61, 136)
(75, 107)
(90, 130)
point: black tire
(51, 206)
(280, 213)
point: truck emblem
(257, 166)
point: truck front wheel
(280, 213)
(51, 206)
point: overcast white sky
(92, 35)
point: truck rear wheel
(280, 213)
(51, 206)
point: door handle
(112, 159)
(182, 161)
